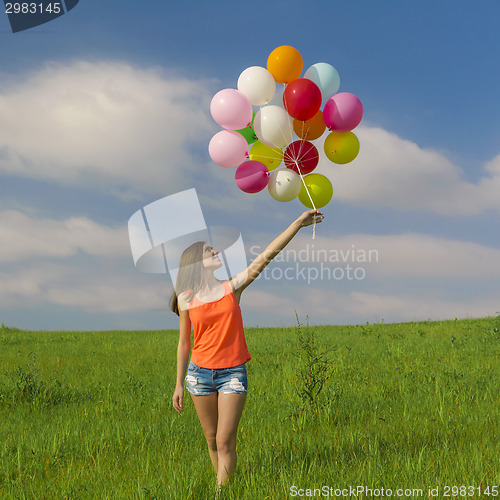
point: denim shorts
(202, 381)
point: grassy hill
(407, 406)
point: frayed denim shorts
(203, 381)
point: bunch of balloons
(271, 147)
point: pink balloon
(343, 112)
(231, 109)
(228, 148)
(252, 176)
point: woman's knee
(212, 442)
(225, 443)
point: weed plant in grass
(89, 414)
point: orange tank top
(219, 339)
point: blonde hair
(190, 274)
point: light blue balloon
(277, 100)
(326, 77)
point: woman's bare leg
(207, 410)
(230, 408)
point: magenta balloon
(252, 176)
(342, 112)
(231, 109)
(228, 148)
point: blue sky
(106, 109)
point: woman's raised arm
(243, 279)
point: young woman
(217, 378)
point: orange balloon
(285, 64)
(310, 129)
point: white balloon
(273, 126)
(284, 184)
(257, 84)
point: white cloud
(416, 255)
(387, 256)
(80, 263)
(419, 255)
(72, 263)
(332, 307)
(389, 172)
(112, 294)
(24, 237)
(91, 288)
(76, 263)
(95, 289)
(131, 131)
(393, 172)
(410, 277)
(413, 307)
(106, 125)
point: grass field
(398, 406)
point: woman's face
(211, 258)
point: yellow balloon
(320, 190)
(341, 147)
(270, 157)
(285, 64)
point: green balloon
(249, 132)
(270, 157)
(320, 189)
(341, 147)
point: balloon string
(274, 145)
(308, 194)
(281, 129)
(303, 141)
(300, 173)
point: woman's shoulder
(238, 280)
(184, 299)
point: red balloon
(301, 156)
(302, 99)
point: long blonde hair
(189, 275)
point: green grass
(89, 414)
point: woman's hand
(177, 399)
(310, 216)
